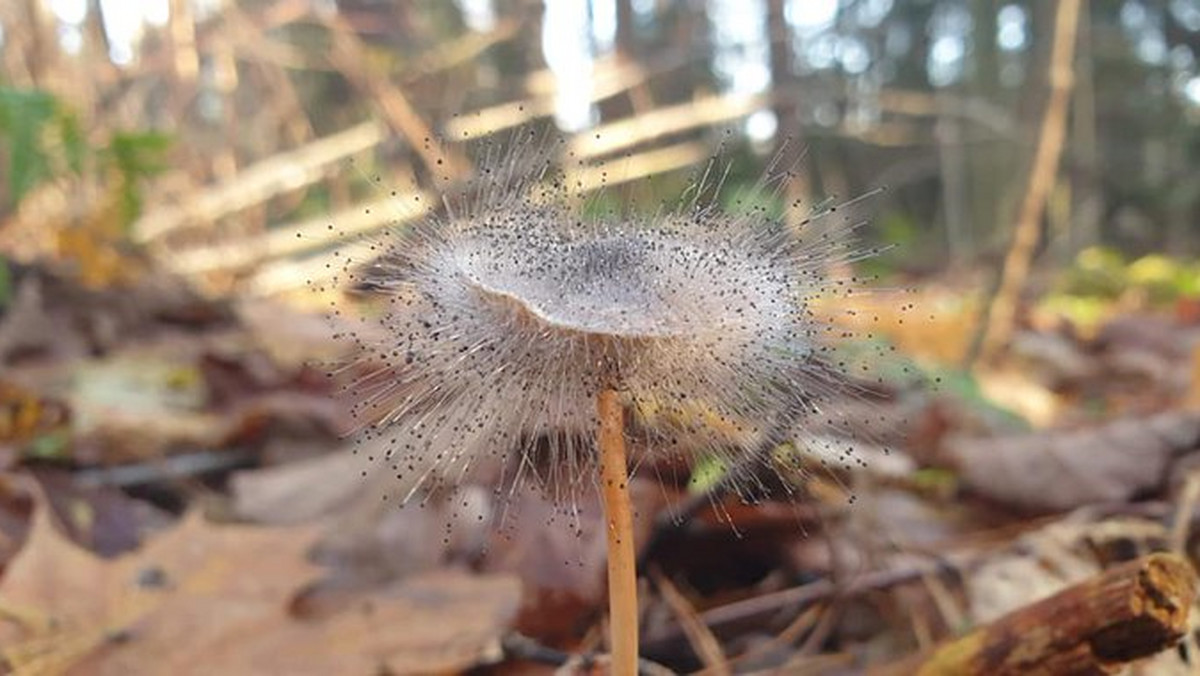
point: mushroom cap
(625, 283)
(501, 327)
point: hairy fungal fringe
(501, 317)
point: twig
(609, 78)
(753, 608)
(520, 647)
(259, 182)
(997, 326)
(628, 132)
(1126, 613)
(350, 57)
(294, 239)
(462, 49)
(630, 168)
(802, 625)
(703, 642)
(169, 468)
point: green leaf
(134, 156)
(51, 446)
(24, 116)
(139, 154)
(6, 284)
(75, 148)
(707, 473)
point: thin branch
(998, 325)
(258, 182)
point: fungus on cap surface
(502, 324)
(510, 322)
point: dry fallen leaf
(559, 556)
(238, 573)
(1047, 560)
(54, 318)
(303, 490)
(206, 598)
(309, 338)
(443, 622)
(1061, 470)
(367, 534)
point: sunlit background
(939, 102)
(957, 85)
(575, 33)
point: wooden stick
(997, 327)
(622, 573)
(350, 56)
(276, 175)
(703, 642)
(1128, 612)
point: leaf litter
(324, 575)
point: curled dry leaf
(367, 535)
(301, 491)
(28, 329)
(370, 538)
(103, 519)
(1130, 611)
(205, 598)
(1042, 563)
(55, 317)
(1024, 580)
(197, 581)
(1061, 470)
(309, 337)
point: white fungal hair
(504, 317)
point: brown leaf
(28, 329)
(54, 318)
(309, 337)
(102, 519)
(303, 490)
(199, 581)
(437, 623)
(16, 507)
(1061, 470)
(368, 536)
(206, 598)
(558, 550)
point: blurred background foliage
(187, 128)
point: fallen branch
(350, 56)
(276, 175)
(998, 325)
(1126, 613)
(628, 132)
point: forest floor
(175, 491)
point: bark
(1123, 614)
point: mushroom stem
(618, 512)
